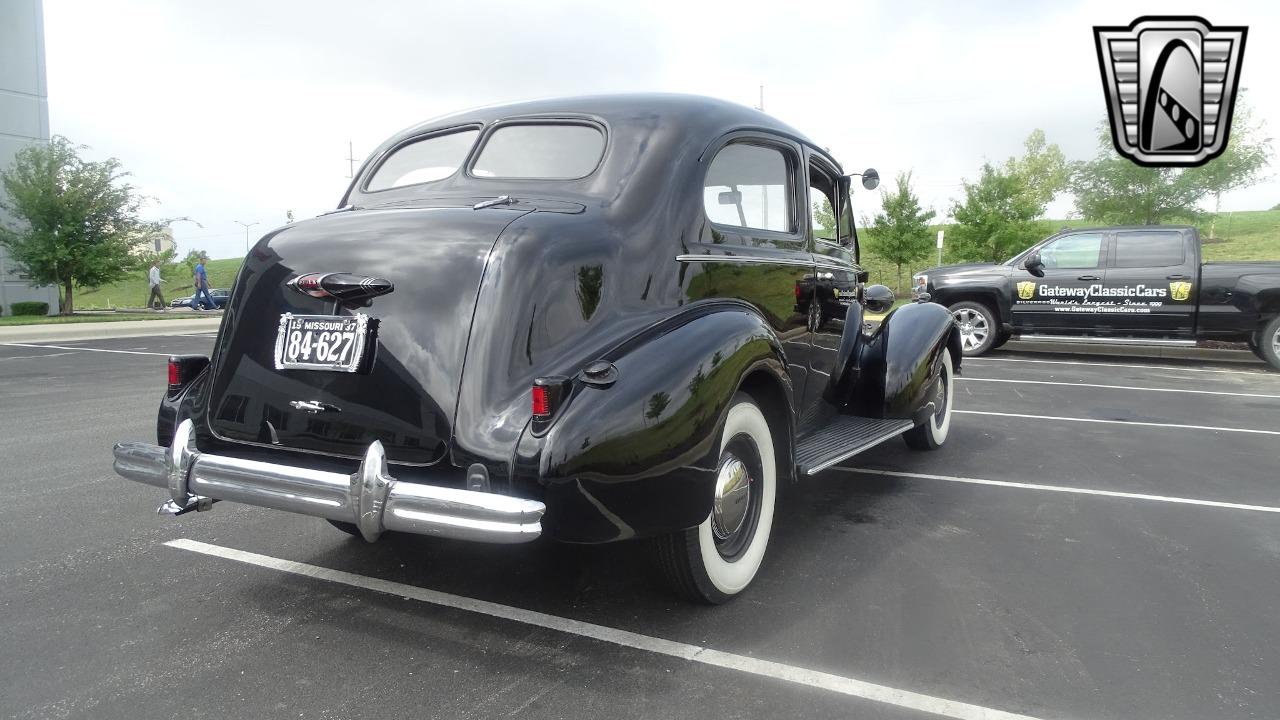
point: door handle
(1088, 277)
(1176, 277)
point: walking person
(154, 276)
(201, 279)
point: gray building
(24, 119)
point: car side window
(749, 186)
(1082, 251)
(1145, 248)
(822, 202)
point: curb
(1143, 351)
(105, 330)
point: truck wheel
(978, 327)
(716, 560)
(1001, 339)
(1269, 343)
(931, 434)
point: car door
(833, 286)
(1149, 284)
(752, 245)
(1065, 300)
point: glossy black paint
(1229, 301)
(621, 267)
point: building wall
(24, 119)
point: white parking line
(1118, 422)
(1066, 489)
(36, 357)
(692, 653)
(1262, 373)
(86, 349)
(1117, 387)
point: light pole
(246, 234)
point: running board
(1086, 340)
(842, 438)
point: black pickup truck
(1142, 285)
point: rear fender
(639, 457)
(898, 363)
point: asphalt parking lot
(1100, 538)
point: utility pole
(246, 234)
(351, 161)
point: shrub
(30, 308)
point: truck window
(748, 186)
(1145, 248)
(1073, 252)
(434, 158)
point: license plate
(321, 342)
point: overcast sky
(233, 110)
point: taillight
(541, 402)
(183, 369)
(175, 374)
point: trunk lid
(435, 256)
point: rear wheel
(1268, 343)
(978, 328)
(716, 560)
(932, 433)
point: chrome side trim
(371, 499)
(1086, 340)
(744, 260)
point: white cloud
(242, 110)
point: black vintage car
(595, 319)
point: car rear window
(1149, 249)
(544, 151)
(433, 158)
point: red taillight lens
(175, 373)
(541, 402)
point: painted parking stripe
(684, 651)
(86, 349)
(1067, 489)
(1118, 387)
(1118, 422)
(1263, 373)
(36, 357)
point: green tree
(997, 217)
(1241, 165)
(824, 216)
(902, 227)
(1042, 169)
(77, 220)
(1117, 191)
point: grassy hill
(133, 290)
(1253, 235)
(1241, 236)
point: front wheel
(932, 433)
(978, 327)
(715, 561)
(1267, 345)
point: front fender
(898, 363)
(639, 457)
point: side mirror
(730, 197)
(870, 179)
(878, 298)
(1034, 264)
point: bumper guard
(370, 498)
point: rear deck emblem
(1170, 86)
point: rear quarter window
(433, 158)
(543, 151)
(1149, 249)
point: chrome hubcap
(733, 498)
(1275, 342)
(973, 328)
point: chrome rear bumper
(370, 498)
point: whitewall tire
(932, 433)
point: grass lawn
(133, 290)
(8, 320)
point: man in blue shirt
(202, 286)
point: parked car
(594, 319)
(220, 297)
(1143, 284)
